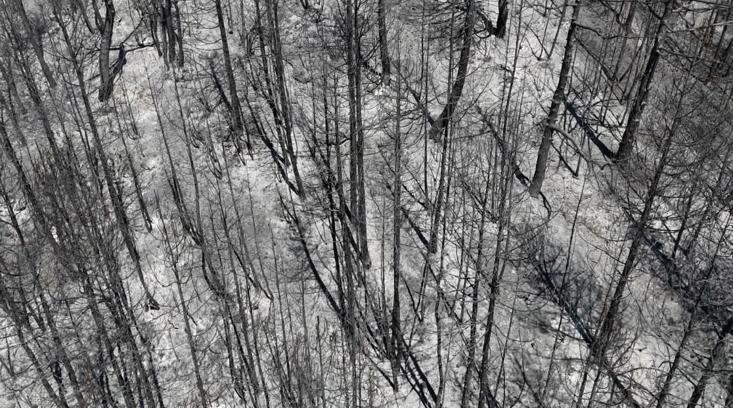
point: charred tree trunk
(383, 45)
(396, 248)
(106, 29)
(456, 91)
(236, 111)
(179, 35)
(35, 41)
(557, 100)
(356, 130)
(121, 217)
(717, 353)
(637, 108)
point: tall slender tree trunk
(106, 30)
(476, 289)
(664, 392)
(383, 44)
(236, 112)
(35, 43)
(598, 349)
(282, 89)
(557, 101)
(179, 35)
(186, 314)
(356, 131)
(171, 31)
(716, 354)
(637, 108)
(117, 203)
(396, 249)
(502, 19)
(502, 238)
(457, 88)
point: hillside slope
(438, 203)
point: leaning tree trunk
(500, 29)
(179, 36)
(717, 353)
(236, 107)
(282, 90)
(637, 109)
(383, 49)
(35, 44)
(106, 30)
(121, 217)
(600, 345)
(457, 89)
(557, 99)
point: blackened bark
(717, 353)
(121, 218)
(557, 99)
(457, 89)
(637, 108)
(383, 46)
(396, 245)
(356, 131)
(236, 112)
(35, 43)
(501, 20)
(179, 36)
(106, 29)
